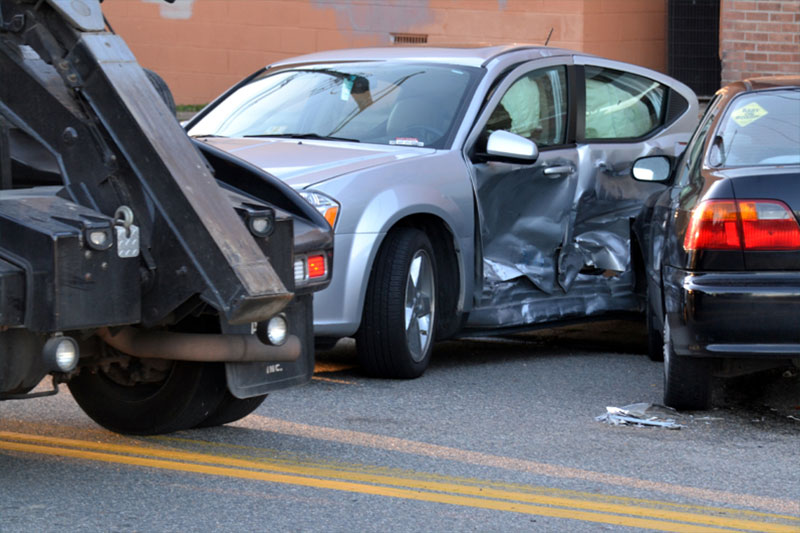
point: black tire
(162, 89)
(232, 409)
(655, 336)
(188, 394)
(687, 380)
(385, 348)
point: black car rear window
(759, 128)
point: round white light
(260, 225)
(277, 330)
(98, 238)
(66, 355)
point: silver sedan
(472, 191)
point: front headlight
(327, 206)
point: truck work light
(277, 330)
(60, 353)
(99, 239)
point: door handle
(557, 171)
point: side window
(620, 105)
(535, 107)
(690, 162)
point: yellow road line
(331, 380)
(362, 489)
(398, 445)
(455, 491)
(277, 457)
(330, 367)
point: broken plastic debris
(636, 414)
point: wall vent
(409, 38)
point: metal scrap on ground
(637, 415)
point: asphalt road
(499, 435)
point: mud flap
(252, 379)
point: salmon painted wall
(201, 47)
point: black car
(721, 244)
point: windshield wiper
(315, 136)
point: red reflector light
(713, 227)
(768, 226)
(742, 225)
(316, 266)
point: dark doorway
(693, 44)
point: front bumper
(733, 314)
(337, 309)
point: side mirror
(654, 168)
(507, 146)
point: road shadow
(592, 339)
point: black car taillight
(742, 225)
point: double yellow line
(643, 514)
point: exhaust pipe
(200, 347)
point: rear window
(759, 128)
(621, 105)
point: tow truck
(168, 284)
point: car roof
(468, 55)
(772, 82)
(765, 82)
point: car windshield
(372, 102)
(759, 128)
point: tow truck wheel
(232, 409)
(161, 88)
(149, 396)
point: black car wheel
(396, 336)
(655, 337)
(687, 380)
(149, 397)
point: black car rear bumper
(733, 314)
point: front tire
(398, 324)
(184, 396)
(687, 380)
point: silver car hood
(301, 163)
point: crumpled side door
(525, 210)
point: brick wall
(759, 38)
(201, 47)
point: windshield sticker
(276, 130)
(407, 141)
(748, 114)
(347, 86)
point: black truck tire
(389, 343)
(189, 394)
(232, 409)
(162, 89)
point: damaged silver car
(471, 190)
